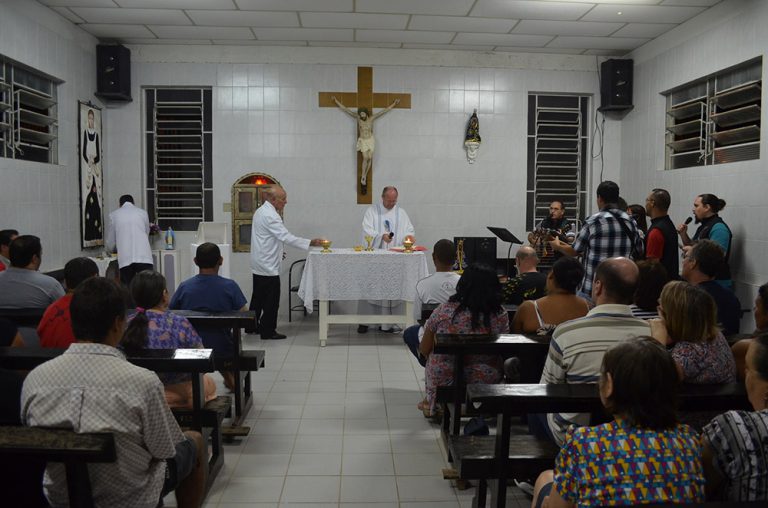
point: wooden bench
(74, 450)
(242, 363)
(503, 456)
(23, 317)
(203, 417)
(532, 349)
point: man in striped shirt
(577, 346)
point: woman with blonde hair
(688, 325)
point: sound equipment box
(113, 72)
(478, 249)
(616, 85)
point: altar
(346, 274)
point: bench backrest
(57, 445)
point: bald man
(577, 346)
(530, 284)
(268, 234)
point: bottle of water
(170, 239)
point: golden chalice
(369, 241)
(408, 245)
(326, 245)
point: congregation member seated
(153, 327)
(209, 292)
(434, 289)
(92, 388)
(474, 309)
(643, 456)
(735, 460)
(55, 328)
(529, 284)
(701, 264)
(561, 304)
(739, 349)
(577, 346)
(687, 325)
(653, 277)
(6, 237)
(21, 285)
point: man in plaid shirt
(606, 234)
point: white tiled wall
(42, 199)
(266, 119)
(738, 37)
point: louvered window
(28, 114)
(178, 157)
(557, 155)
(715, 120)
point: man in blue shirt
(209, 292)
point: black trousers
(265, 301)
(128, 272)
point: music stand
(505, 236)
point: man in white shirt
(129, 233)
(268, 234)
(389, 225)
(435, 289)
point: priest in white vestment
(389, 225)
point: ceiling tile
(201, 32)
(528, 9)
(79, 3)
(296, 5)
(461, 24)
(303, 34)
(388, 45)
(71, 16)
(459, 47)
(352, 20)
(641, 13)
(439, 7)
(180, 42)
(625, 43)
(649, 30)
(558, 51)
(540, 27)
(503, 39)
(132, 16)
(605, 52)
(177, 4)
(224, 42)
(117, 31)
(404, 36)
(694, 3)
(244, 18)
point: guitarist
(554, 225)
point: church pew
(482, 458)
(242, 363)
(531, 349)
(203, 417)
(74, 450)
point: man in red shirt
(661, 240)
(55, 328)
(6, 237)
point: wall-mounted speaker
(616, 85)
(113, 72)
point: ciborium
(326, 245)
(408, 245)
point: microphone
(688, 220)
(387, 228)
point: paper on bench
(192, 354)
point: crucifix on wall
(364, 100)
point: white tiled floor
(337, 427)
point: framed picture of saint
(91, 176)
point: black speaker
(616, 85)
(478, 249)
(113, 72)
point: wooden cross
(364, 98)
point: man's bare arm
(386, 110)
(344, 108)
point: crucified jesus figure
(365, 142)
